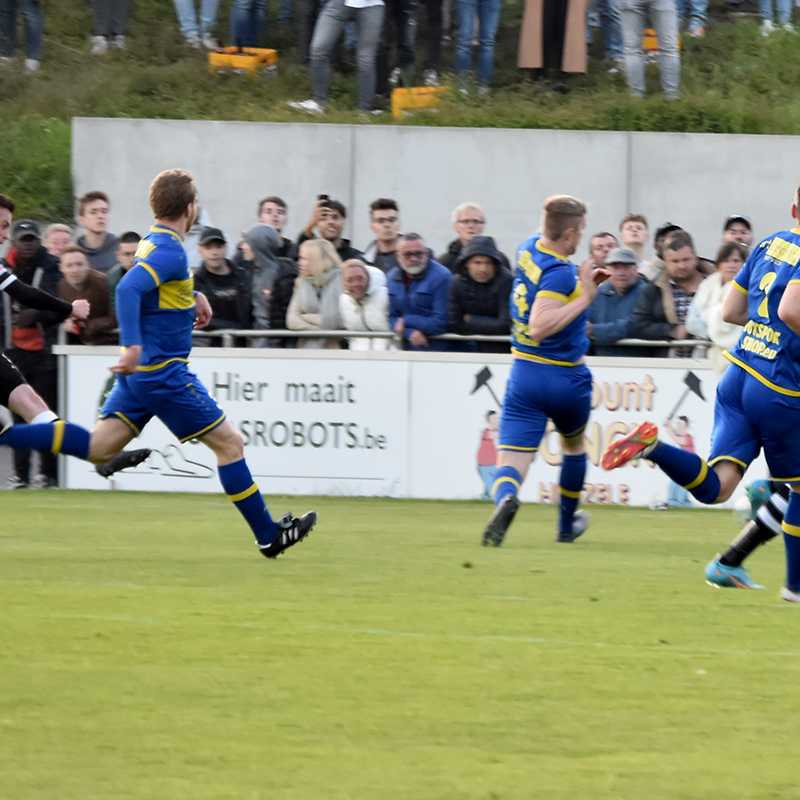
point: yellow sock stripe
(58, 436)
(506, 479)
(517, 448)
(700, 478)
(235, 498)
(569, 493)
(792, 530)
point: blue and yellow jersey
(167, 309)
(544, 273)
(767, 348)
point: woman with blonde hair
(315, 300)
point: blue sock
(242, 491)
(506, 481)
(570, 484)
(57, 437)
(687, 470)
(791, 540)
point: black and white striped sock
(766, 526)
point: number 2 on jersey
(764, 285)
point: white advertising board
(394, 424)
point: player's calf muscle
(25, 402)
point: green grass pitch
(147, 651)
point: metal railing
(228, 337)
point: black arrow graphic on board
(482, 378)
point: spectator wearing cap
(81, 282)
(600, 245)
(57, 237)
(468, 221)
(364, 304)
(611, 310)
(29, 334)
(738, 228)
(704, 319)
(419, 291)
(96, 241)
(126, 252)
(479, 295)
(327, 222)
(227, 287)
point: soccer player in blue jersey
(156, 309)
(549, 379)
(758, 398)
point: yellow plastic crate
(244, 59)
(415, 98)
(650, 41)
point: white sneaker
(788, 27)
(395, 77)
(307, 106)
(32, 65)
(99, 46)
(194, 42)
(209, 42)
(430, 77)
(789, 595)
(6, 61)
(483, 91)
(119, 42)
(767, 27)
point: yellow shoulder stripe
(738, 287)
(562, 298)
(153, 273)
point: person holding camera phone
(327, 222)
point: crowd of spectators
(397, 287)
(400, 42)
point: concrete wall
(694, 180)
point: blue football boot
(721, 576)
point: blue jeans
(783, 7)
(187, 17)
(664, 16)
(487, 474)
(247, 21)
(606, 14)
(488, 13)
(694, 13)
(32, 16)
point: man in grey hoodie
(99, 245)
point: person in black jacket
(227, 287)
(282, 290)
(327, 222)
(479, 295)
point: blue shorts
(749, 416)
(173, 394)
(538, 392)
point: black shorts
(10, 378)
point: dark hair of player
(171, 193)
(7, 203)
(561, 213)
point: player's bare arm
(549, 316)
(734, 306)
(789, 308)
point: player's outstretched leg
(56, 437)
(507, 483)
(727, 570)
(685, 468)
(571, 522)
(271, 537)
